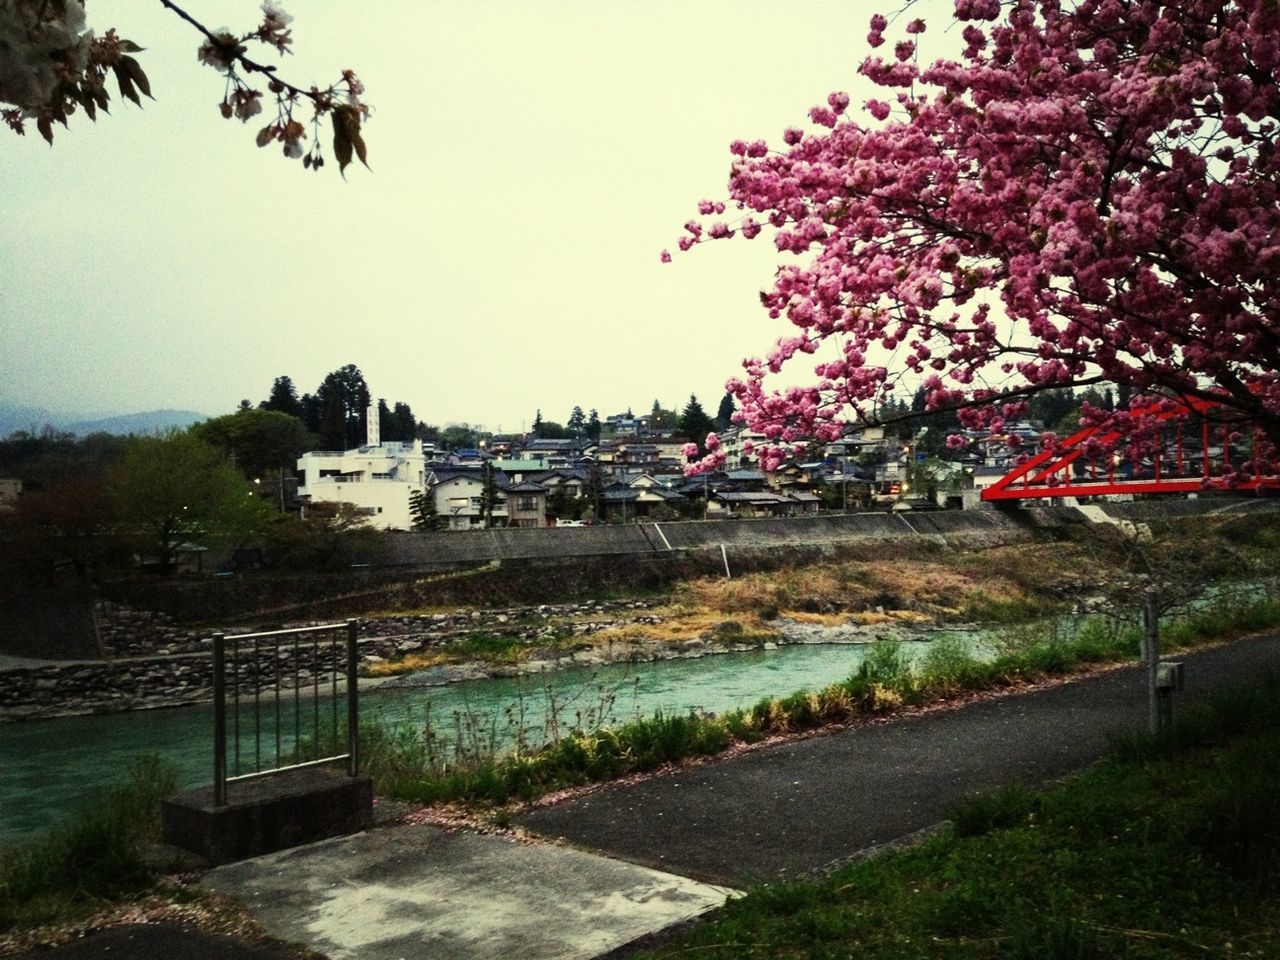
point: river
(49, 767)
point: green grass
(95, 857)
(1171, 848)
(420, 764)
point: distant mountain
(36, 419)
(152, 421)
(31, 419)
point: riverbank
(1008, 584)
(37, 691)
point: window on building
(526, 502)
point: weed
(95, 856)
(1006, 807)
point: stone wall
(183, 672)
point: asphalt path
(805, 806)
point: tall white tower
(373, 428)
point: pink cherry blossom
(1076, 193)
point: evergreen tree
(406, 423)
(537, 426)
(422, 510)
(593, 427)
(594, 487)
(347, 385)
(488, 495)
(312, 412)
(724, 416)
(577, 422)
(333, 428)
(388, 426)
(694, 422)
(283, 398)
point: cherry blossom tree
(1085, 191)
(52, 65)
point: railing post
(219, 722)
(353, 705)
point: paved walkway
(413, 891)
(803, 806)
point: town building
(377, 478)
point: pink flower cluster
(1084, 192)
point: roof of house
(748, 497)
(526, 486)
(449, 474)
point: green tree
(333, 425)
(550, 430)
(593, 489)
(283, 398)
(422, 510)
(344, 396)
(261, 443)
(176, 490)
(662, 420)
(404, 422)
(458, 436)
(593, 426)
(694, 422)
(577, 422)
(488, 494)
(330, 536)
(537, 426)
(724, 415)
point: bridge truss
(1180, 461)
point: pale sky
(530, 161)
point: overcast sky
(530, 161)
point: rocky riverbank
(183, 674)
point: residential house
(623, 424)
(634, 454)
(744, 503)
(458, 495)
(527, 504)
(643, 497)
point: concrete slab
(406, 891)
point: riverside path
(637, 857)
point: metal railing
(298, 672)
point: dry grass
(410, 663)
(687, 625)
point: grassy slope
(1169, 849)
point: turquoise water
(48, 767)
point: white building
(377, 478)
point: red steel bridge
(1176, 463)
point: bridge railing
(283, 700)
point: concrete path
(806, 806)
(404, 891)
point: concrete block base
(282, 810)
